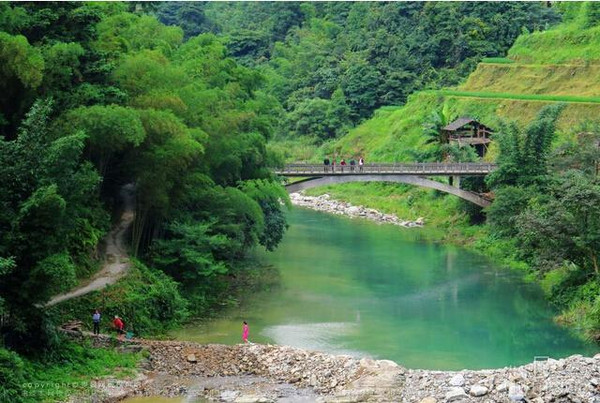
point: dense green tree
(110, 129)
(564, 226)
(378, 53)
(524, 154)
(52, 212)
(189, 16)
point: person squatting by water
(245, 331)
(119, 326)
(96, 321)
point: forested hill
(331, 64)
(94, 97)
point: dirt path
(116, 258)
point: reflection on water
(351, 286)
(313, 336)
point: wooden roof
(460, 122)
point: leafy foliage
(95, 97)
(310, 50)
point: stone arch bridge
(410, 173)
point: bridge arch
(408, 179)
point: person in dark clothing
(343, 164)
(326, 164)
(96, 321)
(352, 164)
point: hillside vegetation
(557, 65)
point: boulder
(455, 394)
(192, 358)
(229, 395)
(515, 393)
(478, 390)
(457, 380)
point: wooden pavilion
(469, 132)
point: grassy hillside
(559, 65)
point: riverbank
(328, 205)
(267, 373)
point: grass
(497, 60)
(521, 97)
(74, 370)
(564, 44)
(536, 80)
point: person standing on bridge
(326, 164)
(361, 162)
(333, 165)
(352, 164)
(343, 164)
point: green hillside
(559, 65)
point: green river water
(355, 287)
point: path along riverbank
(326, 204)
(267, 373)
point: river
(355, 287)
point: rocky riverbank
(267, 373)
(328, 205)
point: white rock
(428, 400)
(229, 395)
(478, 390)
(515, 393)
(455, 394)
(457, 380)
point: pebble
(478, 390)
(328, 205)
(455, 394)
(457, 380)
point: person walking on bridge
(326, 164)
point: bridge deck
(418, 168)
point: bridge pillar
(455, 181)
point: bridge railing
(416, 168)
